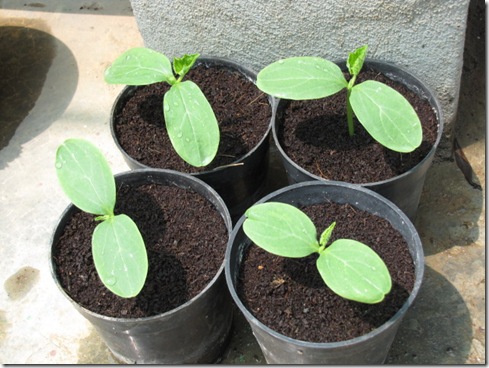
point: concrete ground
(52, 58)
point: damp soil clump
(314, 134)
(185, 238)
(289, 296)
(243, 113)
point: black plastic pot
(195, 332)
(371, 348)
(405, 189)
(241, 182)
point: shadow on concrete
(449, 210)
(26, 57)
(437, 330)
(105, 7)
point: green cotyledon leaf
(191, 124)
(301, 78)
(140, 66)
(354, 271)
(281, 229)
(120, 256)
(85, 176)
(387, 116)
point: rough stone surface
(427, 38)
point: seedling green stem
(349, 113)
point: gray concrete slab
(52, 57)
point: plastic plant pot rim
(322, 345)
(223, 211)
(400, 73)
(208, 61)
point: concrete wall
(425, 36)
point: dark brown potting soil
(314, 134)
(242, 111)
(289, 296)
(185, 238)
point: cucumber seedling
(384, 113)
(189, 119)
(349, 268)
(118, 249)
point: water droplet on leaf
(59, 164)
(111, 281)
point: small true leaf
(354, 271)
(356, 59)
(85, 176)
(182, 65)
(140, 66)
(281, 229)
(191, 123)
(387, 116)
(324, 238)
(120, 256)
(301, 78)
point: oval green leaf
(120, 256)
(191, 124)
(387, 116)
(140, 66)
(301, 78)
(354, 271)
(85, 176)
(281, 229)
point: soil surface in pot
(185, 238)
(242, 111)
(315, 136)
(289, 296)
